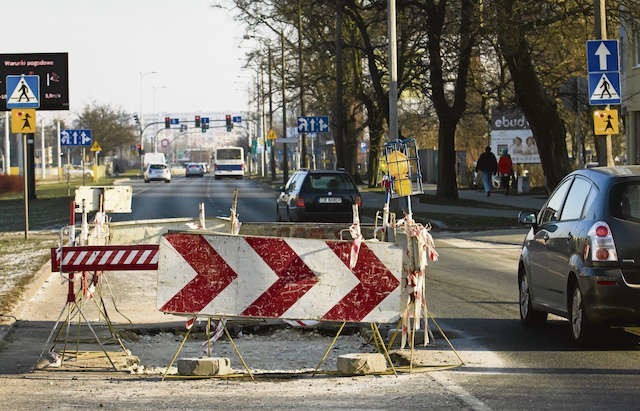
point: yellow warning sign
(95, 146)
(605, 122)
(271, 135)
(23, 120)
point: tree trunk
(539, 108)
(447, 184)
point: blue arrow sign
(204, 120)
(323, 124)
(23, 91)
(602, 55)
(313, 124)
(236, 119)
(174, 121)
(75, 138)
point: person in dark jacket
(488, 165)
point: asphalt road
(182, 197)
(472, 293)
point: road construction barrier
(222, 275)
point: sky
(196, 50)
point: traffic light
(167, 122)
(136, 119)
(197, 121)
(205, 127)
(139, 147)
(227, 119)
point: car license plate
(330, 200)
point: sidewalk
(518, 202)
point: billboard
(510, 131)
(53, 69)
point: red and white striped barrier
(271, 277)
(105, 258)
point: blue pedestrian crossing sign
(604, 88)
(603, 65)
(23, 91)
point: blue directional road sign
(174, 121)
(75, 138)
(602, 55)
(603, 65)
(236, 119)
(23, 91)
(204, 120)
(313, 124)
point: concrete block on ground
(361, 363)
(204, 366)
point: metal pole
(59, 152)
(285, 160)
(26, 186)
(43, 157)
(603, 35)
(7, 145)
(393, 73)
(303, 136)
(259, 112)
(273, 142)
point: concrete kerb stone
(361, 363)
(204, 366)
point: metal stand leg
(326, 353)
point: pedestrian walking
(488, 165)
(505, 171)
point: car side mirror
(281, 188)
(527, 217)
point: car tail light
(601, 243)
(299, 202)
(359, 201)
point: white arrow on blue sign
(75, 138)
(313, 124)
(602, 55)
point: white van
(153, 158)
(228, 162)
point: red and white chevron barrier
(271, 277)
(105, 258)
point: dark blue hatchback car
(581, 258)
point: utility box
(523, 184)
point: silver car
(157, 172)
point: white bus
(228, 162)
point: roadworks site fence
(83, 349)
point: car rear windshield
(328, 182)
(157, 166)
(625, 201)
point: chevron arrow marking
(376, 283)
(213, 274)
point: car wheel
(582, 330)
(167, 181)
(146, 181)
(528, 315)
